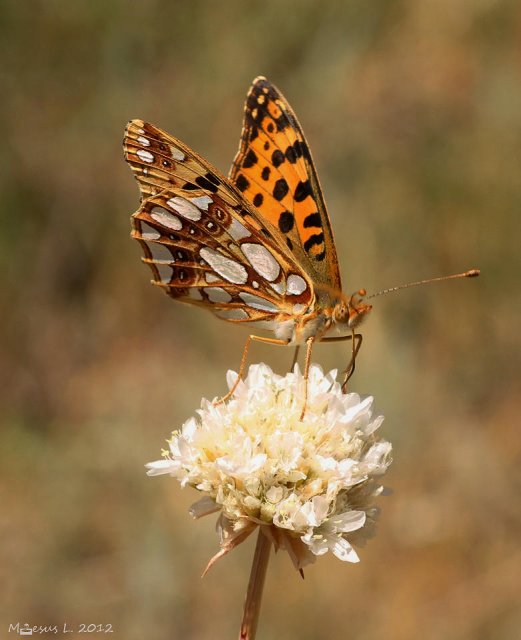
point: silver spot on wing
(296, 285)
(166, 218)
(231, 314)
(148, 232)
(257, 302)
(261, 260)
(202, 202)
(145, 156)
(217, 294)
(184, 208)
(228, 269)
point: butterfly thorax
(329, 318)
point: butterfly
(255, 248)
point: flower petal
(344, 551)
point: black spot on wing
(302, 191)
(258, 199)
(286, 221)
(282, 122)
(313, 220)
(242, 183)
(206, 184)
(291, 154)
(189, 186)
(277, 158)
(212, 178)
(314, 240)
(250, 159)
(265, 173)
(280, 189)
(301, 149)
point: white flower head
(311, 481)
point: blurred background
(413, 114)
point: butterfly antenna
(471, 273)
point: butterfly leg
(350, 369)
(356, 339)
(244, 358)
(307, 363)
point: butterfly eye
(341, 313)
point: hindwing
(204, 242)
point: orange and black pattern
(275, 172)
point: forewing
(275, 171)
(205, 244)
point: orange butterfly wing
(274, 170)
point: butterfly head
(350, 311)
